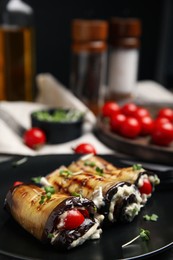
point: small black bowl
(58, 131)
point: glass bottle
(89, 61)
(17, 53)
(124, 43)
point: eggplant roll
(117, 201)
(61, 220)
(136, 174)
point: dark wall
(53, 19)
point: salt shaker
(124, 43)
(89, 61)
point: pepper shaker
(89, 61)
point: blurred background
(53, 37)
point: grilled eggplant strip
(42, 219)
(135, 175)
(116, 200)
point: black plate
(17, 243)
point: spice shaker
(89, 61)
(124, 43)
(17, 52)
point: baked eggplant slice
(61, 220)
(136, 174)
(117, 200)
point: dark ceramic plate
(17, 243)
(140, 147)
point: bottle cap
(125, 31)
(89, 30)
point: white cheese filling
(131, 210)
(98, 198)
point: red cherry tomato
(34, 138)
(129, 109)
(84, 212)
(116, 122)
(16, 183)
(162, 134)
(130, 127)
(110, 108)
(147, 125)
(141, 112)
(161, 120)
(166, 112)
(146, 188)
(74, 219)
(85, 148)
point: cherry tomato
(147, 125)
(130, 127)
(74, 219)
(16, 183)
(166, 112)
(84, 212)
(162, 134)
(141, 112)
(146, 188)
(85, 148)
(129, 109)
(161, 120)
(34, 137)
(116, 122)
(110, 108)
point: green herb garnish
(152, 217)
(99, 171)
(49, 189)
(137, 167)
(58, 115)
(65, 173)
(89, 163)
(42, 199)
(144, 235)
(76, 194)
(36, 179)
(50, 235)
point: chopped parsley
(50, 235)
(137, 167)
(99, 171)
(89, 163)
(49, 191)
(65, 173)
(152, 217)
(76, 194)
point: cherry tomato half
(146, 188)
(34, 138)
(85, 148)
(162, 134)
(16, 183)
(166, 112)
(130, 127)
(129, 109)
(73, 219)
(110, 108)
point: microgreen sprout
(19, 162)
(76, 194)
(144, 235)
(36, 179)
(88, 163)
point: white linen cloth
(54, 94)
